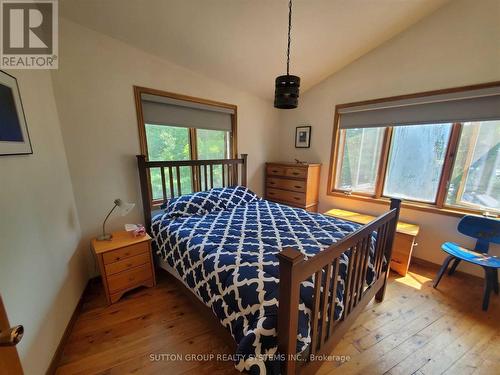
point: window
(475, 180)
(359, 159)
(176, 127)
(212, 144)
(438, 150)
(168, 143)
(415, 161)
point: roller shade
(160, 110)
(478, 105)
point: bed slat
(178, 175)
(315, 311)
(223, 175)
(324, 302)
(333, 304)
(171, 178)
(211, 176)
(347, 295)
(364, 266)
(163, 187)
(205, 176)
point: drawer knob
(131, 278)
(129, 265)
(295, 173)
(296, 198)
(297, 187)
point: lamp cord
(289, 37)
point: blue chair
(486, 231)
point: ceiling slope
(242, 42)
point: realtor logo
(29, 34)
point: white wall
(41, 274)
(457, 45)
(93, 88)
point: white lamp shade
(124, 207)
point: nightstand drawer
(293, 185)
(286, 196)
(129, 278)
(125, 252)
(126, 264)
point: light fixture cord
(289, 38)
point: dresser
(125, 262)
(404, 242)
(293, 184)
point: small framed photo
(303, 137)
(14, 137)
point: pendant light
(286, 94)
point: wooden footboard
(324, 268)
(294, 269)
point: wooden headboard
(202, 178)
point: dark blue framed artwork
(14, 136)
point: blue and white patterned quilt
(228, 259)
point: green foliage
(172, 143)
(212, 145)
(167, 142)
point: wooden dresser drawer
(296, 172)
(275, 170)
(293, 185)
(127, 263)
(130, 278)
(125, 252)
(286, 196)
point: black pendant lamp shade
(286, 93)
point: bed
(285, 283)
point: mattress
(228, 260)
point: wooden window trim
(384, 160)
(138, 90)
(449, 161)
(439, 205)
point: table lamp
(124, 208)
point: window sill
(409, 205)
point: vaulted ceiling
(243, 42)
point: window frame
(233, 137)
(439, 205)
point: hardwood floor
(416, 330)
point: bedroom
(84, 123)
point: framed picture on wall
(302, 137)
(14, 137)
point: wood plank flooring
(416, 330)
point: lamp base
(104, 237)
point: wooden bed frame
(293, 267)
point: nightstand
(404, 241)
(125, 262)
